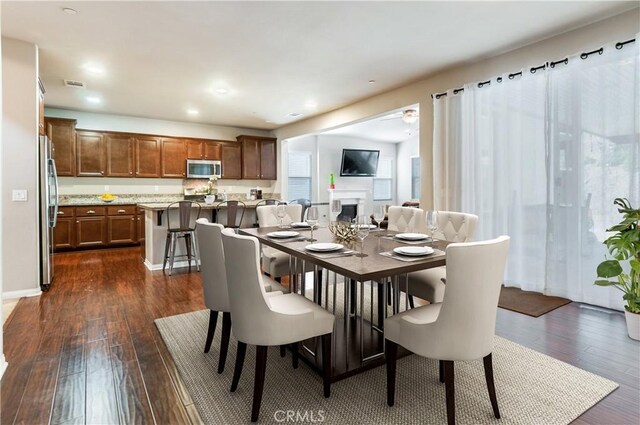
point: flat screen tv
(359, 163)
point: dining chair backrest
(183, 220)
(306, 203)
(267, 216)
(406, 219)
(233, 208)
(214, 278)
(456, 226)
(250, 308)
(465, 327)
(262, 203)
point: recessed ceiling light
(94, 69)
(69, 11)
(269, 121)
(294, 114)
(93, 99)
(222, 91)
(311, 105)
(192, 111)
(372, 81)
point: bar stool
(185, 228)
(232, 213)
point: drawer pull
(91, 212)
(60, 213)
(121, 211)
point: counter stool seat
(184, 227)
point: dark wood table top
(373, 266)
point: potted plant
(624, 247)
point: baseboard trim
(176, 265)
(21, 293)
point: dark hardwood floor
(88, 351)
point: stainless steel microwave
(203, 169)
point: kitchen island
(155, 228)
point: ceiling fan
(409, 116)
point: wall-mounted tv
(359, 163)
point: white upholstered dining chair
(406, 219)
(274, 262)
(453, 227)
(214, 284)
(462, 327)
(268, 321)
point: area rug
(532, 388)
(532, 304)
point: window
(383, 181)
(299, 175)
(415, 177)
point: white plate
(371, 226)
(283, 234)
(414, 251)
(300, 224)
(412, 236)
(323, 247)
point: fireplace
(348, 213)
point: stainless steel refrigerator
(48, 211)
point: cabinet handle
(130, 172)
(132, 219)
(91, 212)
(60, 213)
(121, 211)
(78, 221)
(101, 172)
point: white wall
(3, 362)
(108, 122)
(617, 28)
(406, 150)
(20, 235)
(327, 156)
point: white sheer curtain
(541, 157)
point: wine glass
(378, 215)
(312, 220)
(432, 222)
(336, 208)
(362, 226)
(281, 212)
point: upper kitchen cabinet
(147, 156)
(173, 158)
(258, 157)
(231, 160)
(62, 134)
(120, 155)
(204, 149)
(90, 158)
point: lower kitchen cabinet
(91, 232)
(121, 229)
(63, 233)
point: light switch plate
(19, 195)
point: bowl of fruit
(107, 197)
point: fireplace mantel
(360, 197)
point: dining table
(358, 341)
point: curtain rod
(534, 69)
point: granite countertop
(85, 200)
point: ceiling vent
(74, 83)
(294, 114)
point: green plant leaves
(609, 268)
(601, 282)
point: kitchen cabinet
(140, 225)
(62, 134)
(90, 158)
(147, 156)
(91, 232)
(64, 232)
(203, 149)
(258, 158)
(231, 160)
(173, 158)
(121, 229)
(119, 152)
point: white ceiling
(275, 58)
(387, 127)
